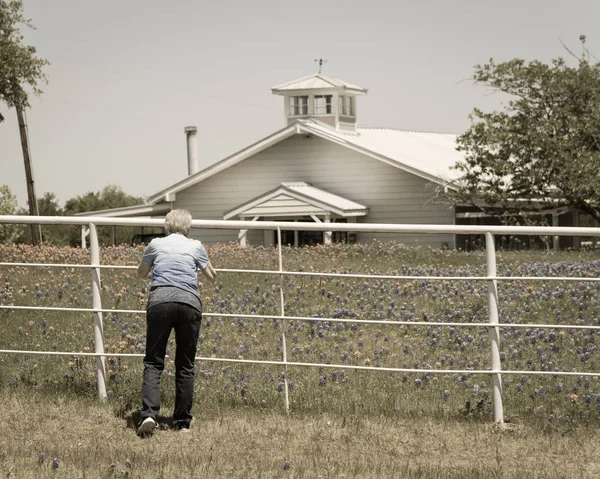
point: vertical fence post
(84, 233)
(494, 332)
(97, 304)
(282, 313)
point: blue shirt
(174, 260)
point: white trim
(335, 83)
(140, 210)
(358, 210)
(228, 162)
(300, 126)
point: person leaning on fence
(174, 303)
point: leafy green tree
(20, 67)
(110, 197)
(9, 233)
(543, 149)
(48, 205)
(56, 235)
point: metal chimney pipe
(192, 149)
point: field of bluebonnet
(548, 404)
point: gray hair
(178, 221)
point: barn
(321, 166)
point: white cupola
(322, 98)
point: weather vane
(320, 61)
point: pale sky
(127, 76)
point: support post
(494, 331)
(242, 238)
(283, 338)
(576, 223)
(327, 234)
(84, 232)
(296, 236)
(97, 304)
(243, 234)
(555, 239)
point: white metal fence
(491, 279)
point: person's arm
(209, 272)
(204, 265)
(148, 258)
(143, 270)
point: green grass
(342, 422)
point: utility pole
(36, 231)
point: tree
(9, 233)
(543, 150)
(48, 205)
(57, 235)
(110, 197)
(20, 65)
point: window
(346, 105)
(298, 105)
(323, 104)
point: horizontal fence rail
(493, 325)
(302, 226)
(335, 275)
(320, 319)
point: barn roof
(431, 156)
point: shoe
(147, 427)
(181, 426)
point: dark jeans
(161, 318)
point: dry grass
(344, 423)
(90, 440)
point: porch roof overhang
(150, 210)
(297, 200)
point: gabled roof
(317, 81)
(431, 156)
(297, 199)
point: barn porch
(298, 202)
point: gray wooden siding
(392, 195)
